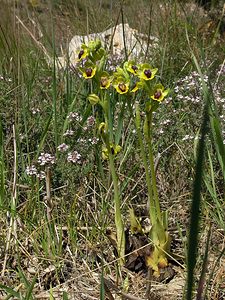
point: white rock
(113, 40)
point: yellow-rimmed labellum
(132, 67)
(89, 72)
(82, 53)
(139, 85)
(159, 93)
(146, 72)
(121, 87)
(105, 81)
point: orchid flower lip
(157, 94)
(88, 71)
(122, 87)
(135, 68)
(104, 82)
(80, 53)
(148, 73)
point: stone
(113, 40)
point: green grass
(54, 235)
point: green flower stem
(117, 198)
(118, 215)
(148, 136)
(144, 159)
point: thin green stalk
(54, 88)
(124, 35)
(2, 166)
(148, 136)
(117, 198)
(117, 204)
(195, 208)
(144, 159)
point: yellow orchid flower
(115, 149)
(159, 93)
(105, 81)
(82, 53)
(89, 72)
(121, 85)
(132, 67)
(146, 72)
(139, 85)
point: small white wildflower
(35, 111)
(31, 170)
(81, 141)
(69, 132)
(187, 137)
(41, 175)
(63, 147)
(93, 140)
(74, 116)
(74, 157)
(168, 99)
(166, 122)
(90, 121)
(176, 89)
(46, 158)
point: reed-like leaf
(195, 207)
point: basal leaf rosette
(157, 257)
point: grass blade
(195, 208)
(11, 292)
(204, 268)
(2, 171)
(102, 287)
(44, 134)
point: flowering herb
(83, 53)
(159, 93)
(142, 78)
(89, 72)
(114, 149)
(132, 67)
(146, 72)
(105, 81)
(121, 86)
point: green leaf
(65, 296)
(11, 292)
(195, 207)
(102, 287)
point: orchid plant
(129, 79)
